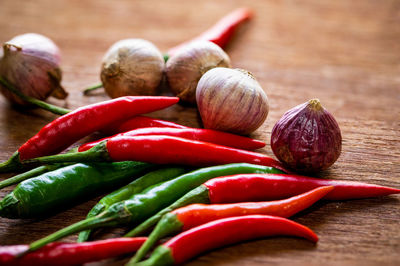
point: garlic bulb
(231, 100)
(30, 62)
(187, 65)
(132, 67)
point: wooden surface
(346, 53)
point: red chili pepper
(138, 122)
(224, 232)
(163, 150)
(197, 214)
(70, 253)
(206, 135)
(222, 31)
(65, 130)
(193, 215)
(261, 187)
(277, 186)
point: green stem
(197, 195)
(128, 191)
(46, 106)
(91, 223)
(31, 173)
(12, 164)
(96, 154)
(21, 177)
(166, 57)
(92, 88)
(161, 256)
(84, 235)
(168, 225)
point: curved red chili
(206, 135)
(193, 215)
(163, 150)
(138, 122)
(67, 129)
(70, 253)
(197, 214)
(221, 32)
(224, 232)
(254, 187)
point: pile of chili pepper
(229, 201)
(69, 128)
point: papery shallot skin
(185, 68)
(30, 62)
(307, 138)
(132, 67)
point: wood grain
(346, 53)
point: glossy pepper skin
(222, 232)
(259, 187)
(152, 200)
(197, 214)
(67, 129)
(222, 31)
(281, 186)
(126, 192)
(206, 135)
(70, 253)
(138, 122)
(163, 150)
(193, 215)
(45, 193)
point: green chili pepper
(143, 205)
(199, 194)
(39, 195)
(129, 190)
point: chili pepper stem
(197, 195)
(161, 256)
(96, 154)
(46, 106)
(91, 223)
(84, 235)
(166, 57)
(92, 88)
(12, 164)
(168, 225)
(32, 173)
(21, 177)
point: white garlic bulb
(231, 100)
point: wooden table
(346, 53)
